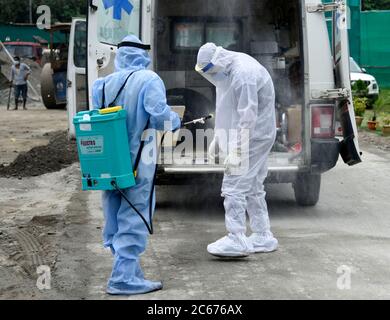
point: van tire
(307, 189)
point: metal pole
(30, 6)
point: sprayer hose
(149, 227)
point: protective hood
(218, 56)
(130, 58)
(214, 63)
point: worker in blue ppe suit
(245, 103)
(144, 97)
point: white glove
(213, 150)
(233, 161)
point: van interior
(268, 30)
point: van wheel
(307, 189)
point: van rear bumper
(176, 175)
(324, 156)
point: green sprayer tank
(103, 148)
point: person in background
(19, 77)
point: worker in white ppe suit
(245, 103)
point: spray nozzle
(201, 120)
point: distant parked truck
(26, 50)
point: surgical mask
(217, 79)
(212, 73)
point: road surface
(338, 249)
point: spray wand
(196, 121)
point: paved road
(47, 219)
(348, 232)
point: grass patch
(385, 93)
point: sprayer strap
(141, 148)
(104, 96)
(112, 104)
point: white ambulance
(290, 38)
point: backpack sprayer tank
(104, 153)
(103, 149)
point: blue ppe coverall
(144, 98)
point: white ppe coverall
(245, 101)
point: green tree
(17, 11)
(368, 5)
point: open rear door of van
(319, 69)
(77, 80)
(108, 23)
(349, 147)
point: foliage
(385, 93)
(360, 89)
(380, 105)
(386, 120)
(360, 105)
(17, 11)
(368, 5)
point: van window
(192, 35)
(355, 67)
(20, 51)
(80, 45)
(112, 31)
(224, 35)
(188, 35)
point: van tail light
(323, 121)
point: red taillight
(322, 122)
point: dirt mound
(58, 154)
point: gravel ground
(374, 140)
